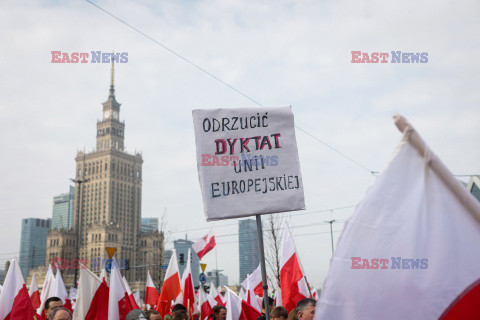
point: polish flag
(15, 302)
(47, 285)
(59, 290)
(292, 281)
(187, 287)
(255, 282)
(151, 293)
(34, 293)
(237, 309)
(251, 298)
(425, 226)
(92, 297)
(204, 244)
(171, 288)
(206, 303)
(215, 295)
(130, 295)
(118, 301)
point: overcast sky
(278, 52)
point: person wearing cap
(136, 314)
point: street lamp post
(78, 220)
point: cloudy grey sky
(277, 52)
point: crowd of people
(305, 310)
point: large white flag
(410, 250)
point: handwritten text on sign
(247, 161)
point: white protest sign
(247, 161)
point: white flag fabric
(233, 305)
(409, 250)
(47, 287)
(59, 289)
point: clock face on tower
(115, 115)
(106, 114)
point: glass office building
(33, 243)
(247, 247)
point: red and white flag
(187, 287)
(410, 249)
(15, 302)
(151, 293)
(255, 282)
(118, 301)
(59, 290)
(204, 244)
(171, 288)
(237, 309)
(92, 297)
(131, 297)
(34, 293)
(206, 303)
(292, 279)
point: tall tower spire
(112, 89)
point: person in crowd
(306, 309)
(279, 313)
(60, 313)
(153, 315)
(178, 307)
(136, 314)
(270, 305)
(50, 304)
(180, 315)
(219, 313)
(292, 315)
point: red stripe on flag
(258, 290)
(290, 274)
(170, 290)
(36, 302)
(466, 304)
(151, 296)
(99, 306)
(22, 306)
(249, 312)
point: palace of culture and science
(107, 208)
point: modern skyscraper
(182, 246)
(62, 212)
(149, 225)
(247, 247)
(33, 243)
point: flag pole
(411, 135)
(262, 266)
